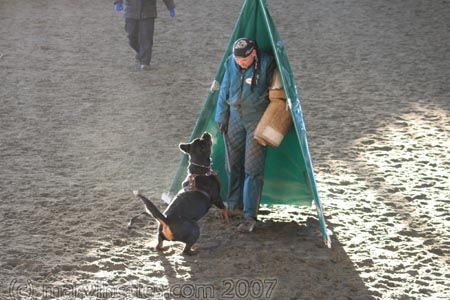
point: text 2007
(243, 288)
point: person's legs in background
(132, 29)
(146, 31)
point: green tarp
(289, 176)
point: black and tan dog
(201, 190)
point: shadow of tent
(288, 254)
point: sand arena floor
(80, 128)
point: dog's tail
(158, 215)
(151, 208)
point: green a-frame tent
(289, 175)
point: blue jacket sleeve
(170, 4)
(223, 108)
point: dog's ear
(185, 147)
(206, 136)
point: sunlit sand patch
(416, 160)
(399, 186)
(130, 268)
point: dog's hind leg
(187, 249)
(130, 223)
(194, 233)
(159, 245)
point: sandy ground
(81, 128)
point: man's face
(245, 62)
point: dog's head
(199, 150)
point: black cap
(243, 47)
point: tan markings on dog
(166, 230)
(225, 215)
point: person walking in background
(140, 18)
(243, 98)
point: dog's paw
(225, 215)
(193, 250)
(159, 247)
(189, 252)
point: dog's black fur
(201, 189)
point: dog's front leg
(224, 211)
(225, 215)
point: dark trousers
(140, 37)
(247, 162)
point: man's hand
(172, 12)
(118, 7)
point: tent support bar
(301, 133)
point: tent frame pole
(301, 133)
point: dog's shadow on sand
(280, 258)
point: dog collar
(199, 165)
